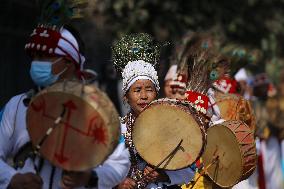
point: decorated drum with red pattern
(75, 125)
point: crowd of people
(213, 83)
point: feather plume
(59, 12)
(194, 61)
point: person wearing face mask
(135, 56)
(56, 55)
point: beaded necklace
(136, 170)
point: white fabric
(282, 157)
(213, 109)
(241, 75)
(178, 177)
(124, 107)
(250, 183)
(74, 53)
(13, 135)
(171, 72)
(271, 152)
(136, 69)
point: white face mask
(41, 73)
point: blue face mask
(41, 73)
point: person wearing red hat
(56, 55)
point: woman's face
(140, 94)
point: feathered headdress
(231, 59)
(195, 59)
(220, 74)
(238, 57)
(134, 47)
(50, 37)
(191, 45)
(136, 56)
(57, 13)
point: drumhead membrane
(222, 142)
(160, 128)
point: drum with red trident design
(73, 125)
(169, 134)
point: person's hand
(73, 179)
(25, 181)
(155, 176)
(127, 183)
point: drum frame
(186, 107)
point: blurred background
(253, 23)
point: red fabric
(199, 164)
(195, 97)
(43, 39)
(261, 176)
(226, 85)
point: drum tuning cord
(48, 132)
(204, 170)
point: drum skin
(160, 127)
(235, 107)
(233, 142)
(88, 132)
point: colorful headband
(55, 43)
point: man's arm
(115, 168)
(6, 141)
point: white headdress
(136, 70)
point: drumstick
(48, 132)
(168, 157)
(204, 170)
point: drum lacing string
(167, 158)
(48, 132)
(204, 170)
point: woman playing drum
(136, 56)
